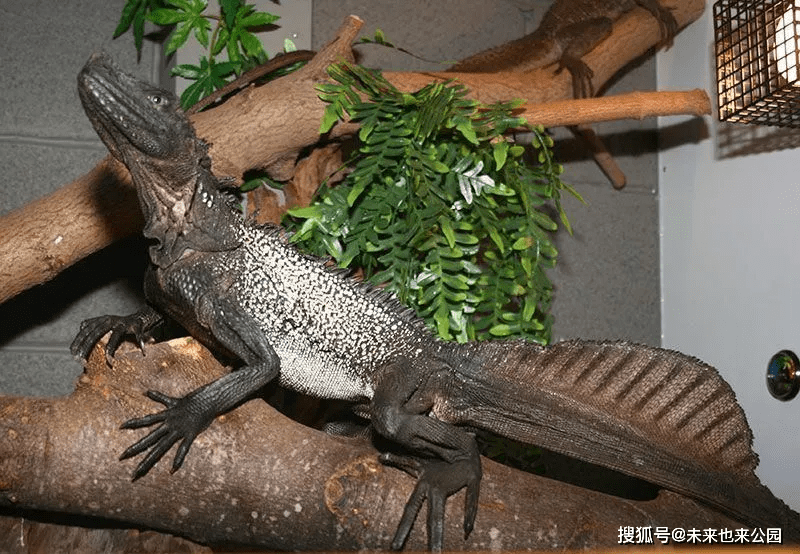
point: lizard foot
(667, 23)
(92, 330)
(182, 421)
(582, 74)
(436, 481)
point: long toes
(471, 506)
(90, 332)
(180, 455)
(113, 343)
(436, 503)
(145, 421)
(154, 456)
(161, 398)
(140, 446)
(410, 512)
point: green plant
(230, 30)
(440, 207)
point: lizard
(569, 30)
(243, 290)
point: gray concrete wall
(607, 279)
(729, 216)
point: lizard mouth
(95, 97)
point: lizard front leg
(442, 457)
(185, 418)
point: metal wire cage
(758, 76)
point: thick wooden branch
(257, 479)
(43, 238)
(633, 105)
(267, 127)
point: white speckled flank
(329, 331)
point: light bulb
(786, 43)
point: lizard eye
(157, 99)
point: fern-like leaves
(439, 207)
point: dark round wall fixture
(783, 380)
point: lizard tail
(524, 54)
(651, 413)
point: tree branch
(633, 105)
(46, 236)
(255, 478)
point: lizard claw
(437, 480)
(668, 26)
(181, 421)
(667, 23)
(92, 330)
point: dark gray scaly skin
(241, 289)
(569, 30)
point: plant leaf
(166, 16)
(201, 32)
(447, 231)
(258, 19)
(250, 43)
(187, 71)
(138, 26)
(500, 153)
(229, 10)
(178, 37)
(128, 12)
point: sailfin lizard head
(131, 115)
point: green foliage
(440, 207)
(379, 38)
(135, 13)
(231, 31)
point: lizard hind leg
(442, 457)
(576, 40)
